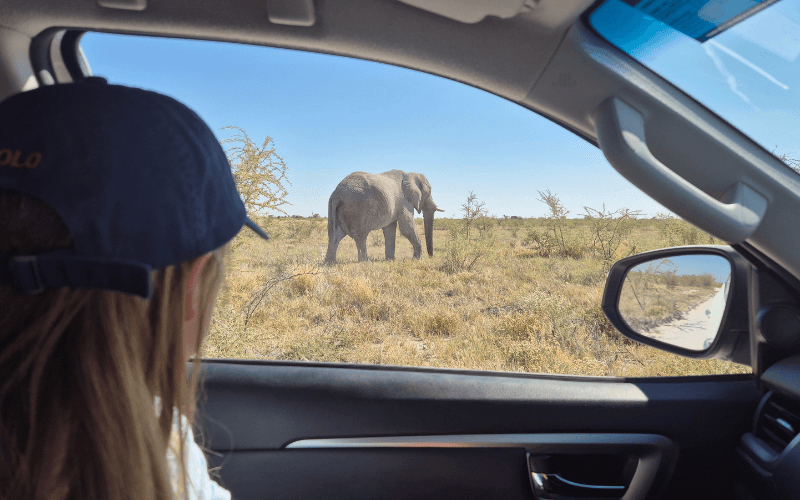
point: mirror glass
(677, 300)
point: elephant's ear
(411, 191)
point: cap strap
(34, 273)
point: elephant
(365, 202)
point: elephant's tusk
(439, 209)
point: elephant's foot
(330, 255)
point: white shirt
(199, 483)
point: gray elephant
(365, 202)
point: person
(116, 208)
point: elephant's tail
(333, 225)
(333, 220)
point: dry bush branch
(258, 297)
(609, 229)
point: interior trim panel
(255, 410)
(554, 443)
(488, 466)
(277, 403)
(652, 454)
(783, 377)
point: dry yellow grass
(513, 311)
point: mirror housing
(732, 342)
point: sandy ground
(697, 325)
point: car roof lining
(502, 56)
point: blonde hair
(79, 371)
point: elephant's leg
(361, 245)
(333, 244)
(389, 236)
(407, 229)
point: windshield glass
(745, 72)
(507, 275)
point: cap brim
(252, 225)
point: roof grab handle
(123, 4)
(620, 133)
(473, 11)
(291, 12)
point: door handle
(548, 485)
(651, 454)
(551, 486)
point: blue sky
(683, 265)
(330, 116)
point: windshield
(746, 71)
(508, 276)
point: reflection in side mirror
(678, 300)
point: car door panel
(253, 410)
(377, 473)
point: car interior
(288, 429)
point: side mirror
(690, 301)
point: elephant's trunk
(427, 217)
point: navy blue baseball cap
(139, 179)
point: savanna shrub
(360, 291)
(303, 284)
(463, 254)
(443, 323)
(556, 240)
(680, 232)
(610, 231)
(471, 241)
